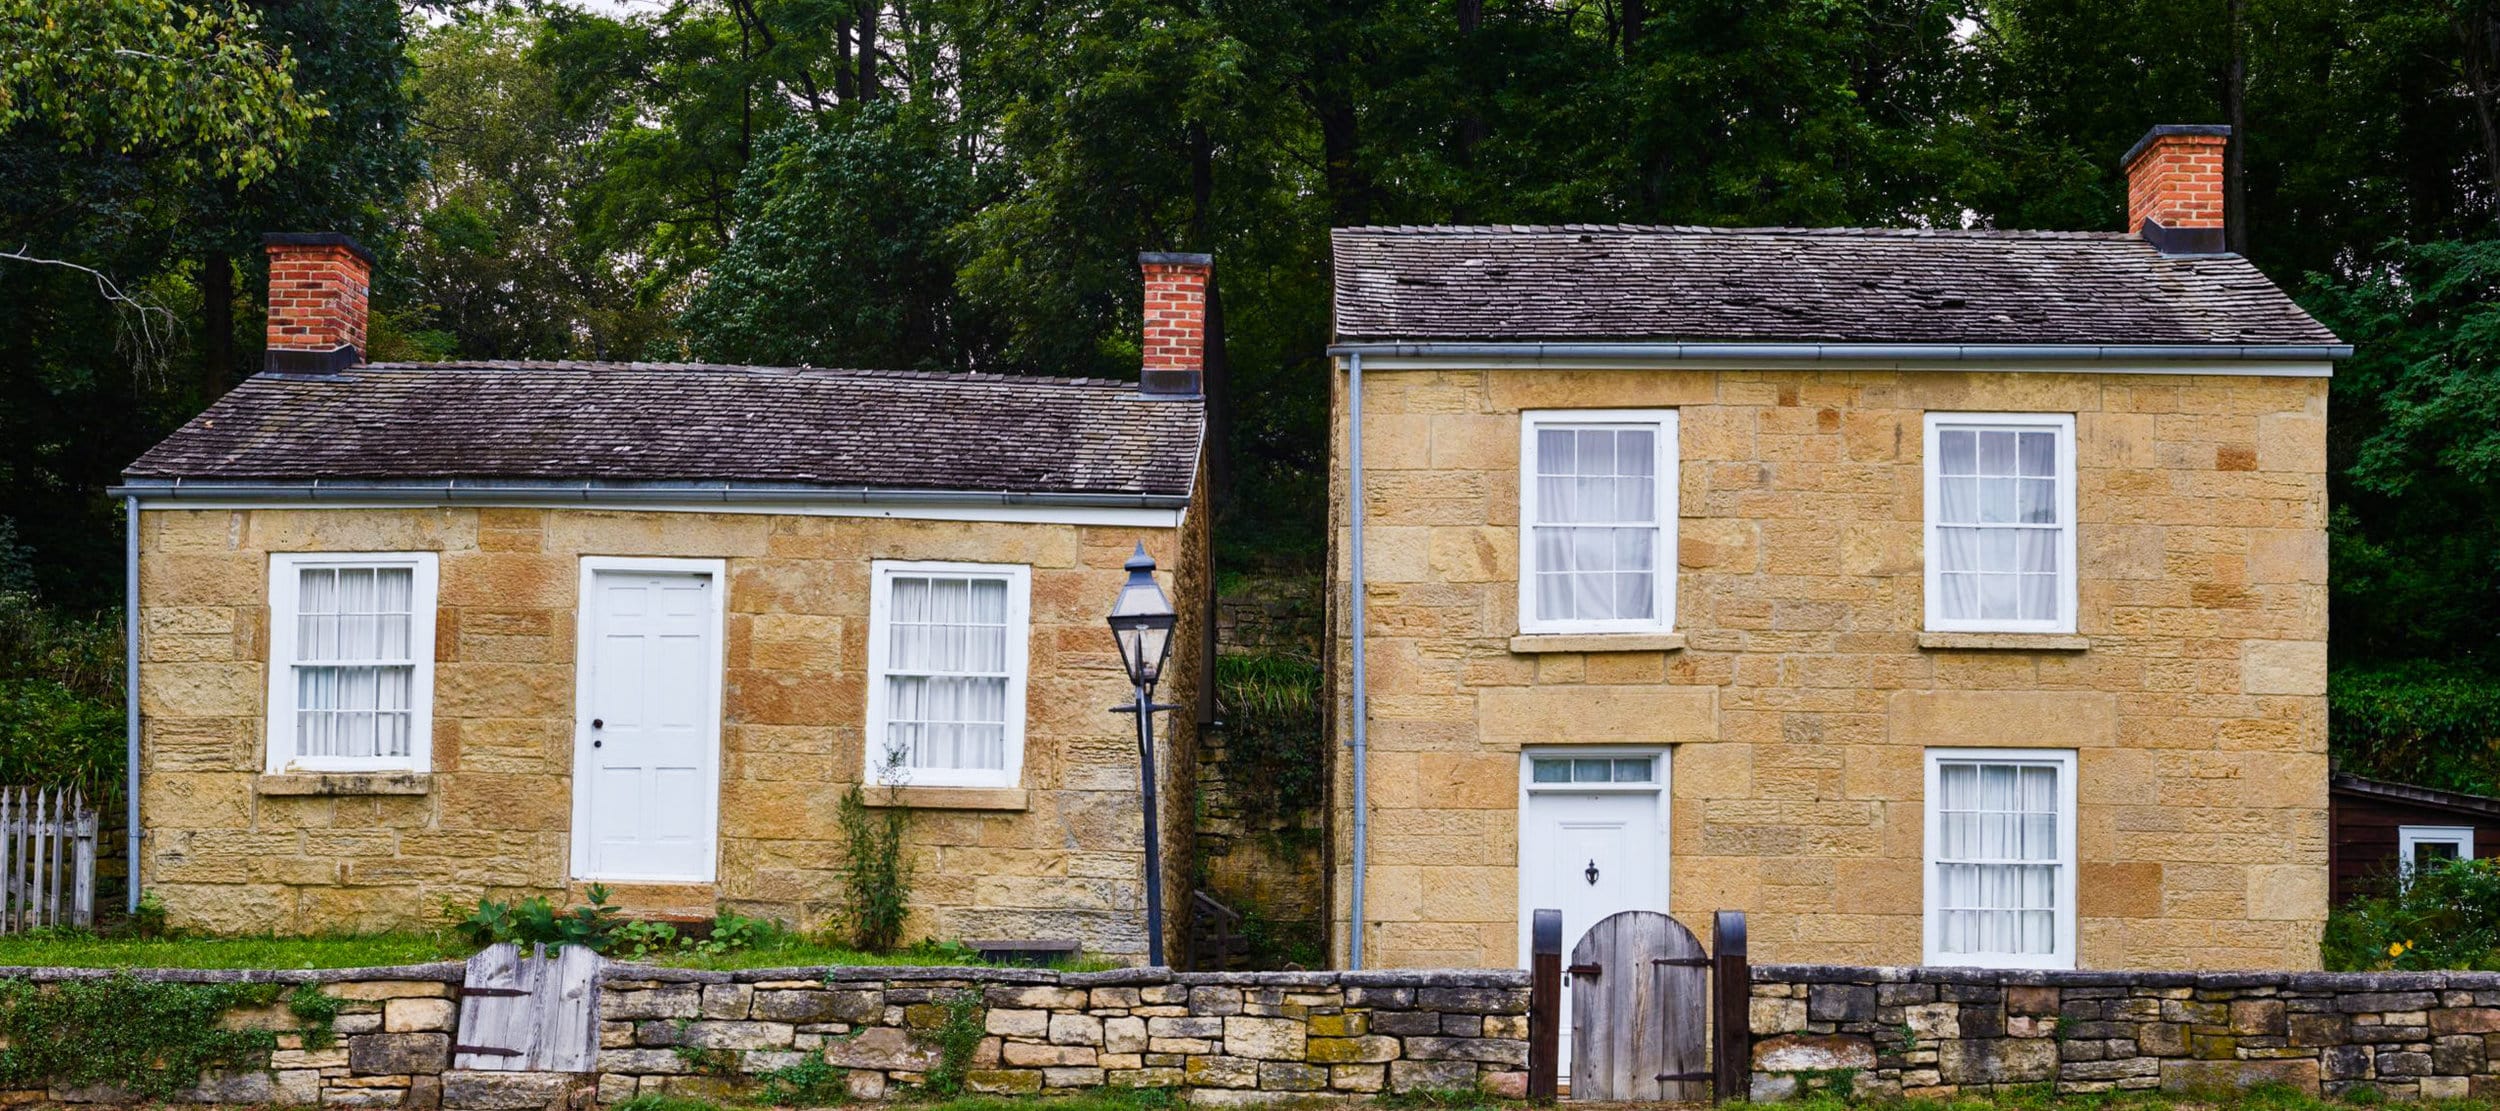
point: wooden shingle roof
(1772, 285)
(687, 422)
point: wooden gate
(47, 858)
(529, 1014)
(1640, 998)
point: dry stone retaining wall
(1222, 1037)
(1219, 1037)
(1933, 1031)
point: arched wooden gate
(1640, 1010)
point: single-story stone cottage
(417, 633)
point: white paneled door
(646, 786)
(1591, 842)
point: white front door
(646, 785)
(1592, 841)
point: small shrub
(876, 880)
(2445, 915)
(2428, 723)
(958, 1036)
(318, 1011)
(810, 1083)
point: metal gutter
(438, 491)
(130, 693)
(1826, 352)
(1362, 704)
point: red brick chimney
(318, 282)
(2174, 187)
(1176, 324)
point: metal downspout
(1361, 710)
(130, 695)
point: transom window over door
(2001, 522)
(947, 656)
(351, 672)
(1597, 521)
(2000, 858)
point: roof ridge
(961, 376)
(1705, 229)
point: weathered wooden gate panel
(529, 1014)
(1639, 1010)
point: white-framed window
(2000, 877)
(351, 661)
(2001, 522)
(947, 651)
(2417, 847)
(1597, 520)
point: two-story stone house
(1934, 596)
(417, 633)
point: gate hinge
(1683, 962)
(1664, 1077)
(487, 1050)
(1585, 969)
(466, 990)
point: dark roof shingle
(680, 422)
(1837, 285)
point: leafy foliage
(61, 720)
(2445, 915)
(812, 1082)
(1273, 741)
(876, 877)
(2427, 723)
(536, 921)
(963, 1023)
(148, 1037)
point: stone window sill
(2005, 642)
(947, 798)
(343, 783)
(1529, 644)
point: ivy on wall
(150, 1038)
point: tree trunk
(2476, 32)
(868, 14)
(1470, 130)
(1635, 13)
(216, 325)
(845, 87)
(1214, 368)
(1341, 170)
(2235, 113)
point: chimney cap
(317, 239)
(1174, 258)
(2170, 130)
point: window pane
(1996, 500)
(1994, 821)
(1549, 771)
(1633, 770)
(1957, 451)
(1996, 452)
(2039, 454)
(1592, 771)
(1636, 451)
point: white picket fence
(47, 858)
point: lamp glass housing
(1142, 621)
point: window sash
(948, 650)
(351, 662)
(1597, 520)
(2000, 837)
(2000, 522)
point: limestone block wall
(1935, 1031)
(1221, 1037)
(232, 850)
(1801, 699)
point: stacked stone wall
(1937, 1031)
(1220, 1037)
(1216, 1037)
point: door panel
(1564, 834)
(650, 735)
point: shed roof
(689, 422)
(2429, 798)
(1796, 285)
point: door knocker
(1592, 872)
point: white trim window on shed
(351, 661)
(948, 647)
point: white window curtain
(1997, 858)
(355, 663)
(1999, 532)
(946, 673)
(1597, 526)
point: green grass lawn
(78, 950)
